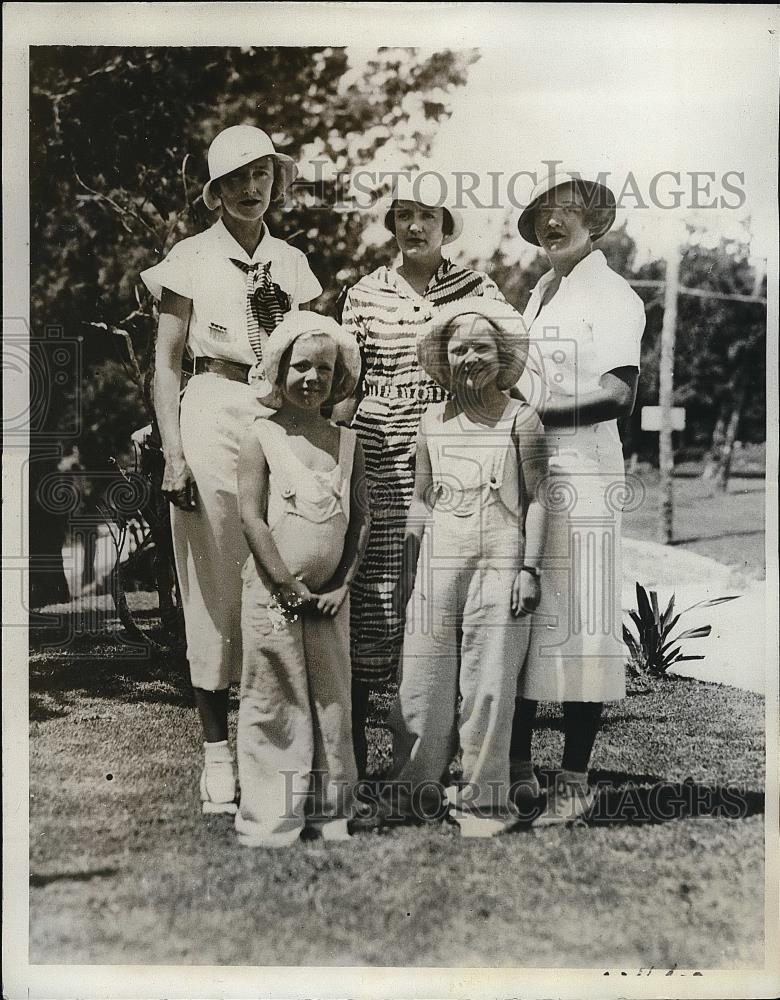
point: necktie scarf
(266, 304)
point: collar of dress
(231, 248)
(391, 277)
(584, 270)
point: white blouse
(592, 325)
(200, 269)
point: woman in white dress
(220, 293)
(585, 324)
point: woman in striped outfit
(386, 311)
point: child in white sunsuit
(298, 488)
(471, 565)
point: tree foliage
(118, 141)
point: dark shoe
(566, 805)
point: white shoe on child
(331, 830)
(471, 823)
(475, 827)
(218, 780)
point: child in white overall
(306, 525)
(471, 566)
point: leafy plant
(652, 650)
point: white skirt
(576, 650)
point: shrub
(652, 650)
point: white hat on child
(236, 146)
(294, 325)
(509, 331)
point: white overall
(461, 636)
(294, 725)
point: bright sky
(639, 90)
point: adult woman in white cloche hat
(386, 311)
(220, 293)
(585, 325)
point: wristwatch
(533, 570)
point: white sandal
(474, 827)
(331, 830)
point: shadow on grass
(39, 881)
(80, 652)
(41, 712)
(715, 538)
(152, 680)
(82, 631)
(625, 799)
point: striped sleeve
(351, 321)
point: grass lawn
(124, 869)
(728, 527)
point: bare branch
(119, 209)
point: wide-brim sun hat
(298, 324)
(509, 331)
(236, 146)
(597, 197)
(429, 189)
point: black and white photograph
(390, 455)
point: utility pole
(665, 395)
(663, 420)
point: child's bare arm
(333, 593)
(534, 456)
(419, 511)
(253, 509)
(533, 453)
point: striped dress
(386, 315)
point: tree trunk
(717, 464)
(731, 432)
(712, 458)
(48, 584)
(89, 537)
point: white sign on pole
(651, 418)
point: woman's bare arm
(614, 398)
(175, 313)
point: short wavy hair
(508, 330)
(447, 225)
